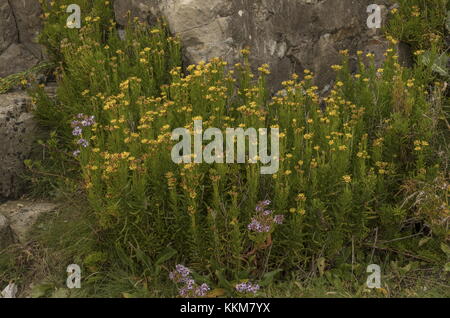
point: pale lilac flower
(261, 205)
(181, 274)
(278, 219)
(84, 120)
(77, 131)
(183, 270)
(190, 284)
(183, 292)
(76, 153)
(89, 121)
(253, 288)
(255, 226)
(83, 142)
(263, 222)
(247, 288)
(202, 290)
(242, 287)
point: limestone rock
(16, 58)
(10, 291)
(27, 16)
(289, 35)
(145, 10)
(23, 215)
(205, 27)
(9, 32)
(17, 134)
(19, 27)
(6, 234)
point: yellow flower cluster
(420, 144)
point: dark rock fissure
(15, 21)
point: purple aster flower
(76, 153)
(89, 121)
(242, 287)
(77, 131)
(247, 288)
(253, 288)
(190, 284)
(181, 274)
(267, 212)
(255, 226)
(261, 205)
(183, 292)
(202, 290)
(278, 219)
(83, 142)
(183, 270)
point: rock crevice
(15, 21)
(19, 26)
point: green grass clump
(420, 23)
(23, 78)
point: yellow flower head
(347, 179)
(245, 52)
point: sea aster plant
(181, 275)
(247, 288)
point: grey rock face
(9, 33)
(19, 27)
(22, 215)
(27, 16)
(145, 10)
(17, 135)
(6, 234)
(16, 58)
(289, 35)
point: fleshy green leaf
(446, 249)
